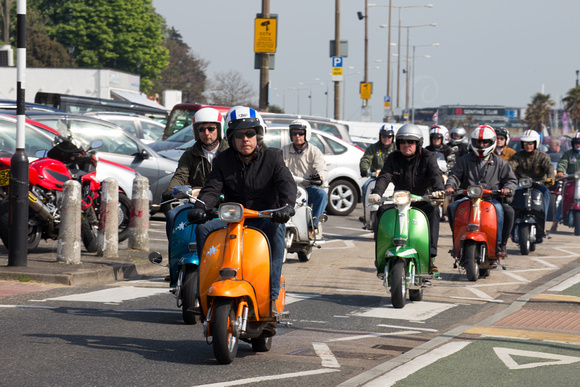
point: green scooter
(402, 247)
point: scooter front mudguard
(180, 234)
(487, 231)
(417, 238)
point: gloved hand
(364, 173)
(374, 198)
(559, 175)
(549, 181)
(315, 179)
(438, 194)
(167, 195)
(197, 216)
(283, 215)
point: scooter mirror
(96, 144)
(155, 257)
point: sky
(492, 52)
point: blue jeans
(275, 233)
(319, 199)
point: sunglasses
(410, 142)
(387, 136)
(248, 134)
(298, 133)
(210, 129)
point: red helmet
(483, 132)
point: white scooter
(370, 210)
(297, 239)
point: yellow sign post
(366, 90)
(265, 35)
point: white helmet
(531, 136)
(206, 115)
(439, 131)
(241, 117)
(483, 132)
(302, 125)
(503, 132)
(457, 130)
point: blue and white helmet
(242, 117)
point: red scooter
(475, 233)
(571, 201)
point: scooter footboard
(180, 234)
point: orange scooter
(235, 286)
(475, 233)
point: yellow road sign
(265, 35)
(366, 90)
(337, 71)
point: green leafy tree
(124, 35)
(572, 106)
(185, 72)
(538, 112)
(41, 50)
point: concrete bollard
(139, 219)
(69, 235)
(109, 221)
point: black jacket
(416, 176)
(263, 183)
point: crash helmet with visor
(483, 140)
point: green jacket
(375, 156)
(193, 167)
(536, 165)
(569, 163)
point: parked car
(181, 115)
(118, 146)
(175, 140)
(144, 128)
(342, 160)
(35, 140)
(323, 124)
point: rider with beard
(412, 168)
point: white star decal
(212, 250)
(181, 226)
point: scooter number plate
(4, 177)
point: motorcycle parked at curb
(234, 284)
(475, 233)
(46, 184)
(183, 259)
(571, 201)
(529, 225)
(402, 248)
(298, 239)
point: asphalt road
(344, 330)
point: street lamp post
(413, 78)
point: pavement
(42, 266)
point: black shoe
(432, 268)
(502, 251)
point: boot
(432, 267)
(554, 227)
(502, 251)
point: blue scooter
(183, 259)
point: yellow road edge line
(556, 297)
(524, 334)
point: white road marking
(326, 355)
(401, 372)
(515, 276)
(28, 306)
(347, 244)
(504, 355)
(349, 338)
(479, 293)
(295, 297)
(566, 284)
(476, 299)
(418, 311)
(111, 295)
(400, 327)
(291, 375)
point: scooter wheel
(305, 255)
(262, 345)
(225, 340)
(398, 285)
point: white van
(370, 130)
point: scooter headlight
(401, 198)
(475, 191)
(577, 175)
(231, 212)
(525, 182)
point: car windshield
(114, 141)
(34, 140)
(184, 135)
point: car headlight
(401, 198)
(525, 182)
(231, 212)
(475, 191)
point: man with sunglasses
(412, 168)
(255, 176)
(196, 162)
(376, 153)
(306, 161)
